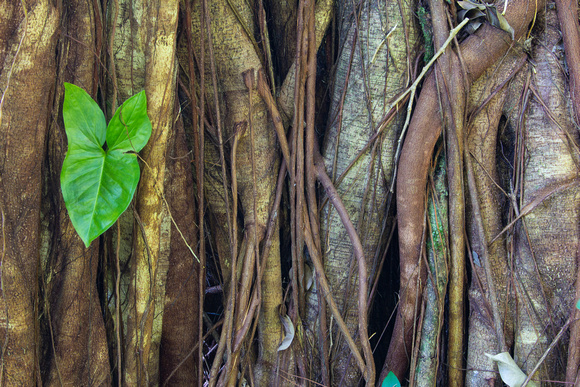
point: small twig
(543, 194)
(412, 90)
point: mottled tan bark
(144, 56)
(478, 52)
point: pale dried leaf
(309, 277)
(470, 14)
(472, 26)
(504, 25)
(491, 16)
(289, 329)
(472, 10)
(509, 371)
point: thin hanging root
(334, 198)
(264, 91)
(367, 369)
(323, 282)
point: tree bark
(180, 335)
(147, 62)
(372, 69)
(27, 43)
(78, 352)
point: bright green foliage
(391, 381)
(98, 183)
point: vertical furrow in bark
(437, 251)
(181, 310)
(27, 72)
(283, 36)
(546, 240)
(144, 58)
(323, 12)
(78, 352)
(382, 40)
(218, 214)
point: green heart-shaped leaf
(391, 381)
(98, 185)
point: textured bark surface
(79, 353)
(181, 310)
(482, 138)
(372, 70)
(478, 52)
(546, 243)
(27, 72)
(527, 263)
(231, 43)
(144, 56)
(518, 168)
